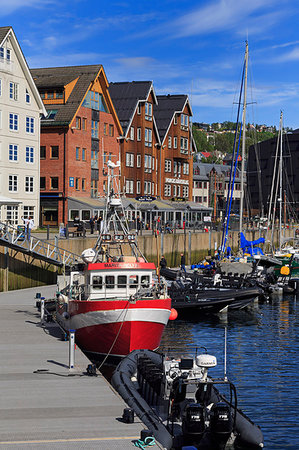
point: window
(175, 119)
(13, 183)
(185, 191)
(147, 187)
(94, 188)
(30, 125)
(148, 163)
(132, 133)
(145, 281)
(105, 129)
(167, 165)
(83, 184)
(77, 153)
(27, 97)
(167, 190)
(94, 159)
(184, 122)
(169, 141)
(2, 52)
(12, 214)
(13, 90)
(28, 184)
(83, 154)
(148, 111)
(42, 152)
(139, 108)
(54, 183)
(138, 134)
(138, 186)
(78, 123)
(13, 152)
(50, 95)
(138, 160)
(121, 281)
(97, 282)
(174, 190)
(29, 154)
(8, 54)
(84, 123)
(54, 152)
(111, 130)
(42, 183)
(175, 142)
(13, 122)
(59, 94)
(94, 129)
(109, 280)
(153, 163)
(130, 159)
(153, 188)
(148, 137)
(77, 184)
(133, 281)
(129, 187)
(179, 191)
(28, 212)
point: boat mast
(280, 180)
(243, 140)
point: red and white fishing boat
(115, 301)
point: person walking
(29, 224)
(183, 262)
(99, 224)
(91, 223)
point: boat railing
(89, 292)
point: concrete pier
(43, 403)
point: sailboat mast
(280, 180)
(243, 140)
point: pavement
(43, 403)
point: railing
(15, 237)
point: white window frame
(139, 109)
(138, 134)
(148, 136)
(13, 183)
(138, 160)
(167, 190)
(27, 97)
(129, 159)
(129, 187)
(138, 186)
(29, 154)
(30, 125)
(13, 91)
(13, 153)
(132, 133)
(13, 119)
(148, 111)
(29, 184)
(167, 165)
(175, 142)
(169, 141)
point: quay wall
(19, 271)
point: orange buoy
(285, 270)
(173, 314)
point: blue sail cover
(248, 246)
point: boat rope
(149, 441)
(126, 308)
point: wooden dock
(43, 403)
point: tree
(201, 140)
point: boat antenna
(225, 352)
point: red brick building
(78, 135)
(140, 143)
(172, 115)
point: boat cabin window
(122, 281)
(133, 281)
(109, 280)
(97, 282)
(145, 281)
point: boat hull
(112, 329)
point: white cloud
(8, 7)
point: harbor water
(262, 361)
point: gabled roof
(52, 77)
(7, 32)
(167, 107)
(126, 96)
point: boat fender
(173, 314)
(65, 315)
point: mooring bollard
(42, 310)
(72, 349)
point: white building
(20, 110)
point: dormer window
(148, 111)
(139, 109)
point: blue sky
(192, 47)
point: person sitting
(163, 263)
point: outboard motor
(193, 423)
(221, 422)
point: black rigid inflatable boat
(181, 405)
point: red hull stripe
(121, 265)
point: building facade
(78, 135)
(172, 114)
(20, 111)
